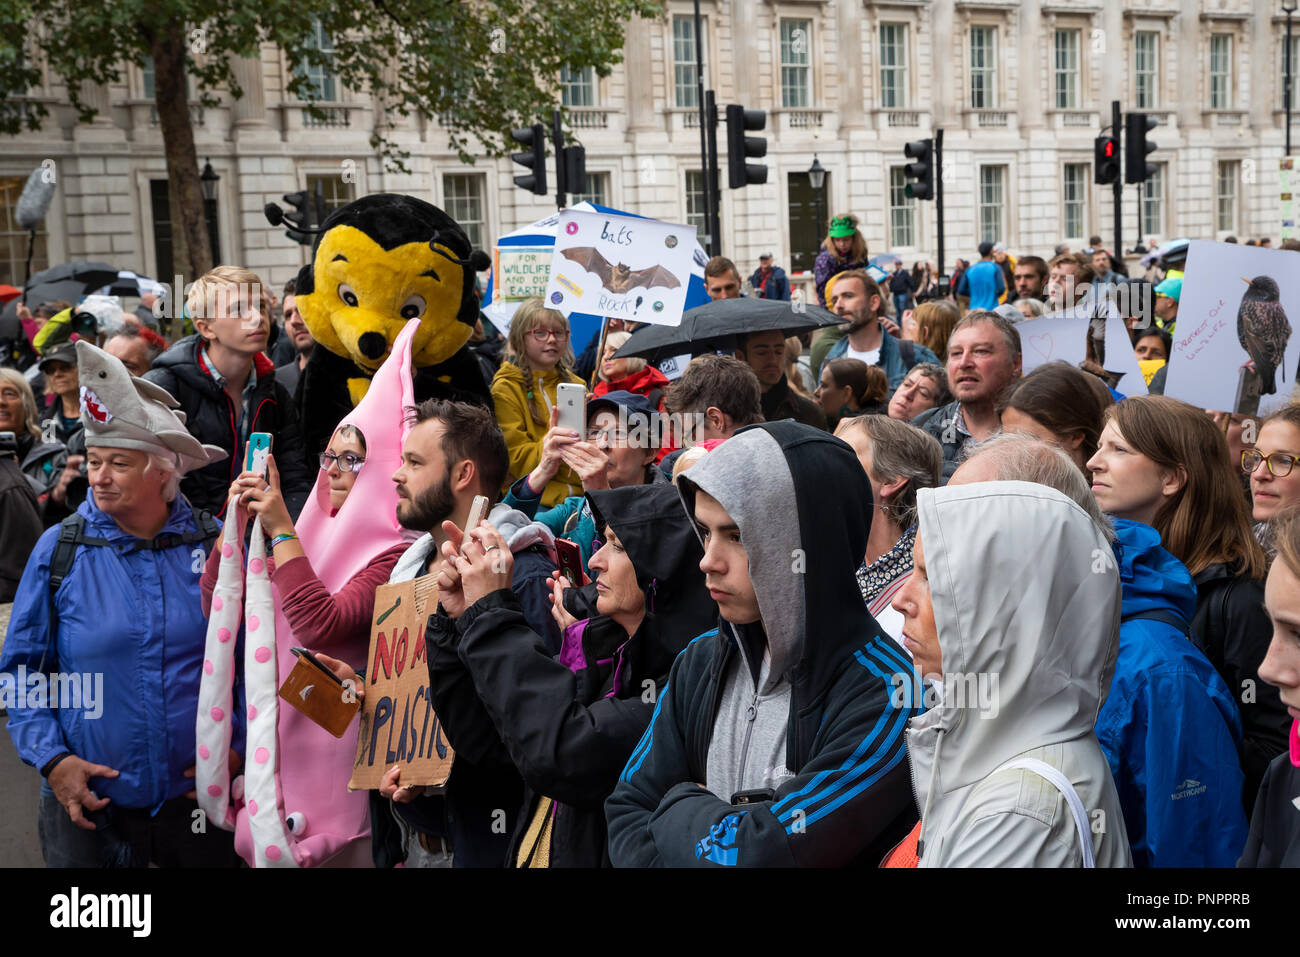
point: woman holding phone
(524, 390)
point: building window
(1146, 52)
(1226, 196)
(1295, 72)
(597, 190)
(893, 66)
(335, 192)
(796, 57)
(902, 210)
(1221, 71)
(578, 88)
(991, 203)
(983, 68)
(1075, 194)
(695, 205)
(1067, 69)
(320, 77)
(147, 78)
(1153, 203)
(685, 81)
(160, 211)
(462, 195)
(13, 239)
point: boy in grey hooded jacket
(778, 739)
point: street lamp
(817, 179)
(1289, 8)
(208, 185)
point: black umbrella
(68, 281)
(715, 325)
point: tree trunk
(192, 253)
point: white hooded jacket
(1026, 601)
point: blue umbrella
(885, 260)
(541, 234)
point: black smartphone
(570, 560)
(304, 653)
(757, 796)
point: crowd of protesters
(886, 602)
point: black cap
(986, 248)
(63, 352)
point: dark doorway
(808, 219)
(161, 210)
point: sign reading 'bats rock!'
(398, 724)
(620, 266)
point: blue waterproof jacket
(1170, 728)
(891, 359)
(135, 617)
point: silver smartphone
(571, 397)
(477, 512)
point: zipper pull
(752, 711)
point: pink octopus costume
(291, 807)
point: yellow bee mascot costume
(377, 263)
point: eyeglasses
(541, 335)
(1279, 463)
(347, 462)
(615, 436)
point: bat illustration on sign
(620, 278)
(1263, 330)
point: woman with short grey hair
(899, 460)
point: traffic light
(922, 151)
(534, 138)
(1105, 160)
(741, 147)
(301, 218)
(575, 169)
(1136, 148)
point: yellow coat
(523, 435)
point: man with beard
(983, 359)
(857, 298)
(455, 451)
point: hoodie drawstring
(929, 797)
(654, 585)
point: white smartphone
(477, 512)
(571, 397)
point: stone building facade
(1020, 88)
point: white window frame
(699, 219)
(1295, 71)
(1227, 173)
(1066, 71)
(579, 89)
(1221, 92)
(452, 200)
(902, 211)
(1080, 201)
(988, 71)
(1151, 74)
(894, 72)
(796, 66)
(598, 196)
(686, 91)
(1153, 203)
(998, 205)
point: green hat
(1173, 288)
(841, 227)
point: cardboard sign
(621, 266)
(1228, 285)
(520, 272)
(1051, 339)
(398, 724)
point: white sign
(1052, 339)
(1120, 357)
(1213, 366)
(674, 366)
(621, 266)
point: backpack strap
(1062, 784)
(1160, 614)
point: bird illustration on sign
(1263, 330)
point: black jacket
(1231, 627)
(569, 725)
(1274, 839)
(20, 525)
(211, 418)
(782, 402)
(849, 797)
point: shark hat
(120, 411)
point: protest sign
(1233, 345)
(398, 724)
(1052, 339)
(674, 366)
(1121, 358)
(520, 272)
(622, 267)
